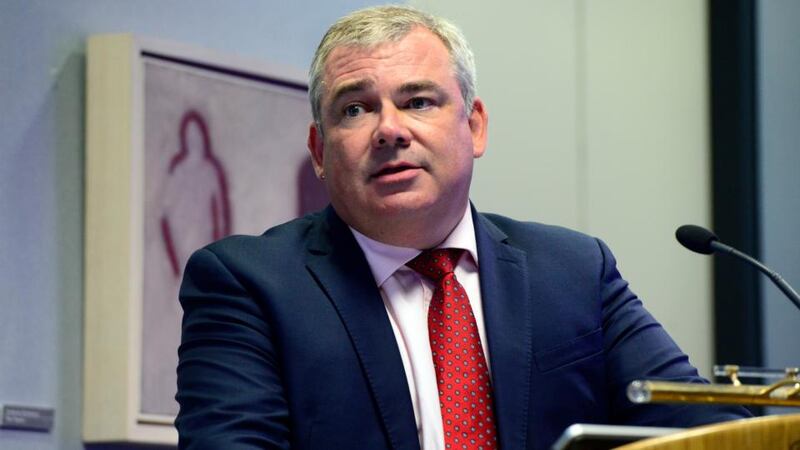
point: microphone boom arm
(774, 276)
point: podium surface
(760, 433)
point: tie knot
(436, 263)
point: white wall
(599, 121)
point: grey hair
(373, 26)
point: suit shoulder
(277, 242)
(521, 231)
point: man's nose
(391, 130)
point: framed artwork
(184, 146)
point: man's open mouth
(393, 169)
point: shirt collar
(384, 259)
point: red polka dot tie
(465, 392)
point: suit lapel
(507, 309)
(338, 264)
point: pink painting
(224, 154)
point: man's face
(398, 143)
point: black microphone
(700, 240)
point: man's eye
(353, 110)
(419, 103)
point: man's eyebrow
(347, 88)
(417, 86)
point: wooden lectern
(760, 433)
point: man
(335, 331)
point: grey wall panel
(779, 109)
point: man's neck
(384, 259)
(420, 233)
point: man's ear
(316, 147)
(478, 123)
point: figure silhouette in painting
(196, 206)
(311, 193)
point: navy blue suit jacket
(287, 344)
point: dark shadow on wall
(311, 191)
(69, 183)
(734, 150)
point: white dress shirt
(406, 296)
